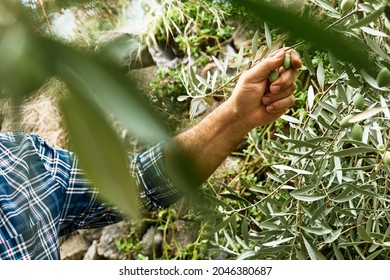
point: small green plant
(169, 223)
(196, 29)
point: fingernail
(266, 100)
(270, 108)
(279, 54)
(276, 88)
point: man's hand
(254, 101)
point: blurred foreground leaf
(101, 153)
(107, 84)
(313, 31)
(24, 67)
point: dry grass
(38, 114)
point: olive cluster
(286, 65)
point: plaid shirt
(43, 195)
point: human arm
(253, 103)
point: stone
(144, 76)
(241, 38)
(125, 49)
(74, 247)
(182, 233)
(151, 243)
(92, 234)
(230, 164)
(92, 253)
(106, 246)
(163, 56)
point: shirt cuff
(156, 189)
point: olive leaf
(277, 242)
(268, 36)
(321, 75)
(368, 18)
(310, 97)
(366, 114)
(314, 254)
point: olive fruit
(344, 122)
(383, 78)
(386, 158)
(381, 148)
(287, 61)
(273, 76)
(358, 101)
(346, 5)
(357, 132)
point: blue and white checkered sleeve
(79, 202)
(156, 189)
(82, 207)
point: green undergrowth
(302, 188)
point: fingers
(287, 76)
(281, 105)
(285, 80)
(281, 95)
(270, 97)
(260, 71)
(296, 61)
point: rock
(230, 51)
(293, 6)
(74, 247)
(92, 253)
(144, 76)
(92, 234)
(182, 234)
(198, 107)
(125, 49)
(210, 67)
(163, 56)
(241, 38)
(230, 164)
(106, 246)
(151, 243)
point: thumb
(261, 71)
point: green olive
(383, 78)
(386, 158)
(358, 101)
(273, 76)
(287, 61)
(346, 5)
(357, 132)
(381, 148)
(344, 122)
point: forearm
(207, 144)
